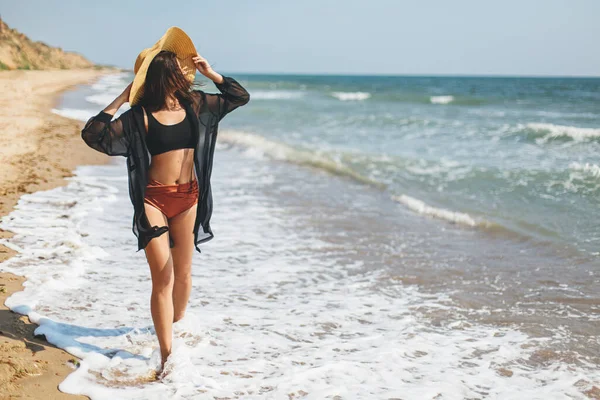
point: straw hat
(175, 40)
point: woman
(171, 198)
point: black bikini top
(162, 138)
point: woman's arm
(105, 136)
(232, 96)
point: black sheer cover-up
(126, 136)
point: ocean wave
(583, 179)
(587, 168)
(260, 146)
(102, 99)
(111, 81)
(544, 132)
(276, 94)
(421, 207)
(441, 99)
(424, 98)
(351, 96)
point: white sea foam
(425, 209)
(84, 114)
(267, 317)
(107, 87)
(259, 146)
(276, 94)
(587, 168)
(554, 131)
(441, 99)
(102, 99)
(351, 96)
(449, 169)
(74, 113)
(111, 82)
(583, 179)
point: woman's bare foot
(161, 369)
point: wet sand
(39, 149)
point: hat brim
(175, 40)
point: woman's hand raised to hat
(121, 99)
(205, 69)
(125, 95)
(202, 64)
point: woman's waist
(155, 186)
(171, 174)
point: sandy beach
(39, 149)
(412, 218)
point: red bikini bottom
(171, 199)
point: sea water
(375, 238)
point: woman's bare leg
(181, 228)
(160, 261)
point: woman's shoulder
(129, 117)
(134, 110)
(198, 99)
(197, 95)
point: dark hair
(164, 77)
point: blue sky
(459, 37)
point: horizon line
(413, 75)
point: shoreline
(31, 367)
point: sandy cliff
(17, 51)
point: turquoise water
(520, 154)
